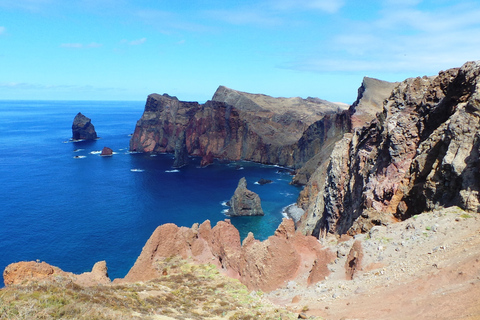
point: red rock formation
(264, 265)
(31, 271)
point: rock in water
(82, 128)
(106, 151)
(244, 202)
(263, 181)
(181, 153)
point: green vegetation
(185, 292)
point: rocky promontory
(82, 128)
(234, 125)
(244, 202)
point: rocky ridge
(260, 265)
(234, 125)
(420, 153)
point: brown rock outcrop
(264, 265)
(244, 202)
(106, 151)
(234, 125)
(420, 153)
(82, 128)
(31, 271)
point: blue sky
(125, 49)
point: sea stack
(244, 202)
(82, 128)
(106, 152)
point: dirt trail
(427, 267)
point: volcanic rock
(181, 152)
(234, 125)
(30, 271)
(82, 128)
(106, 151)
(263, 181)
(420, 153)
(244, 202)
(260, 265)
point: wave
(79, 157)
(77, 150)
(224, 203)
(137, 170)
(225, 211)
(292, 212)
(171, 171)
(95, 152)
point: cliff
(234, 125)
(421, 152)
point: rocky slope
(421, 152)
(234, 125)
(260, 265)
(426, 267)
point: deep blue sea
(62, 203)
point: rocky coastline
(401, 151)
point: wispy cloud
(136, 42)
(245, 16)
(403, 40)
(50, 87)
(168, 22)
(328, 6)
(80, 45)
(29, 5)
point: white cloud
(29, 5)
(246, 16)
(137, 42)
(72, 45)
(328, 6)
(77, 45)
(407, 40)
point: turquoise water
(61, 202)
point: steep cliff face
(420, 153)
(234, 125)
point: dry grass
(185, 292)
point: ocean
(62, 203)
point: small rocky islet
(385, 179)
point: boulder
(263, 181)
(82, 128)
(244, 202)
(106, 151)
